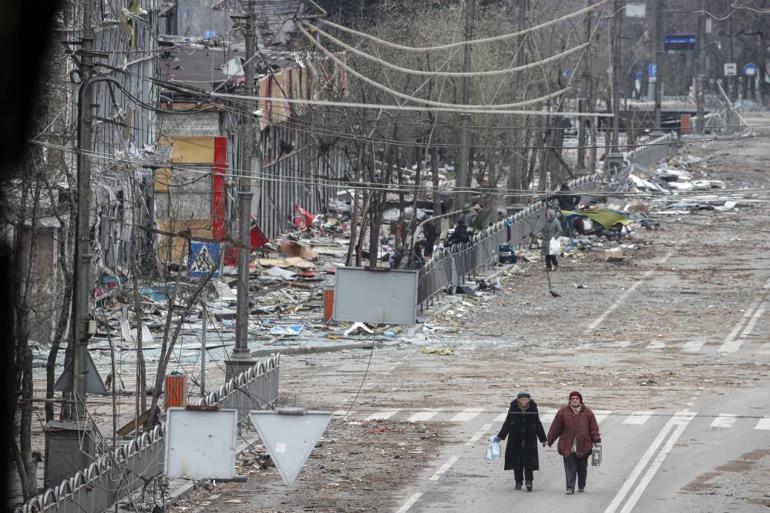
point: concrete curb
(316, 349)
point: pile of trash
(681, 185)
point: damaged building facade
(199, 136)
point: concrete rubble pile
(682, 184)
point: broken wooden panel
(173, 249)
(162, 180)
(191, 149)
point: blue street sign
(210, 34)
(567, 72)
(652, 70)
(204, 256)
(750, 69)
(680, 42)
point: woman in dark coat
(524, 428)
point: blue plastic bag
(493, 449)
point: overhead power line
(502, 37)
(393, 92)
(425, 73)
(414, 108)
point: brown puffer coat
(580, 427)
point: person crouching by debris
(551, 230)
(577, 430)
(523, 426)
(460, 233)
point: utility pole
(731, 87)
(204, 329)
(462, 178)
(617, 36)
(583, 94)
(700, 93)
(240, 361)
(659, 35)
(81, 316)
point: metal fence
(451, 266)
(111, 477)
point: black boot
(529, 486)
(518, 485)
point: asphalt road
(649, 456)
(670, 347)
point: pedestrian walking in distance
(523, 429)
(551, 230)
(578, 432)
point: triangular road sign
(289, 435)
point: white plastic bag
(493, 450)
(554, 247)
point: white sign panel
(289, 437)
(200, 444)
(636, 10)
(377, 297)
(731, 69)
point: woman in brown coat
(577, 430)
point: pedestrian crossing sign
(204, 256)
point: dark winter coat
(523, 429)
(580, 427)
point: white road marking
(657, 344)
(601, 415)
(694, 345)
(466, 415)
(409, 503)
(340, 413)
(763, 424)
(724, 420)
(729, 343)
(501, 417)
(638, 417)
(623, 296)
(478, 434)
(746, 332)
(646, 457)
(422, 416)
(443, 468)
(656, 464)
(383, 415)
(546, 416)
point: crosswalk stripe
(501, 417)
(724, 420)
(547, 418)
(730, 344)
(601, 415)
(694, 345)
(763, 424)
(422, 416)
(638, 417)
(383, 415)
(437, 475)
(466, 415)
(657, 344)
